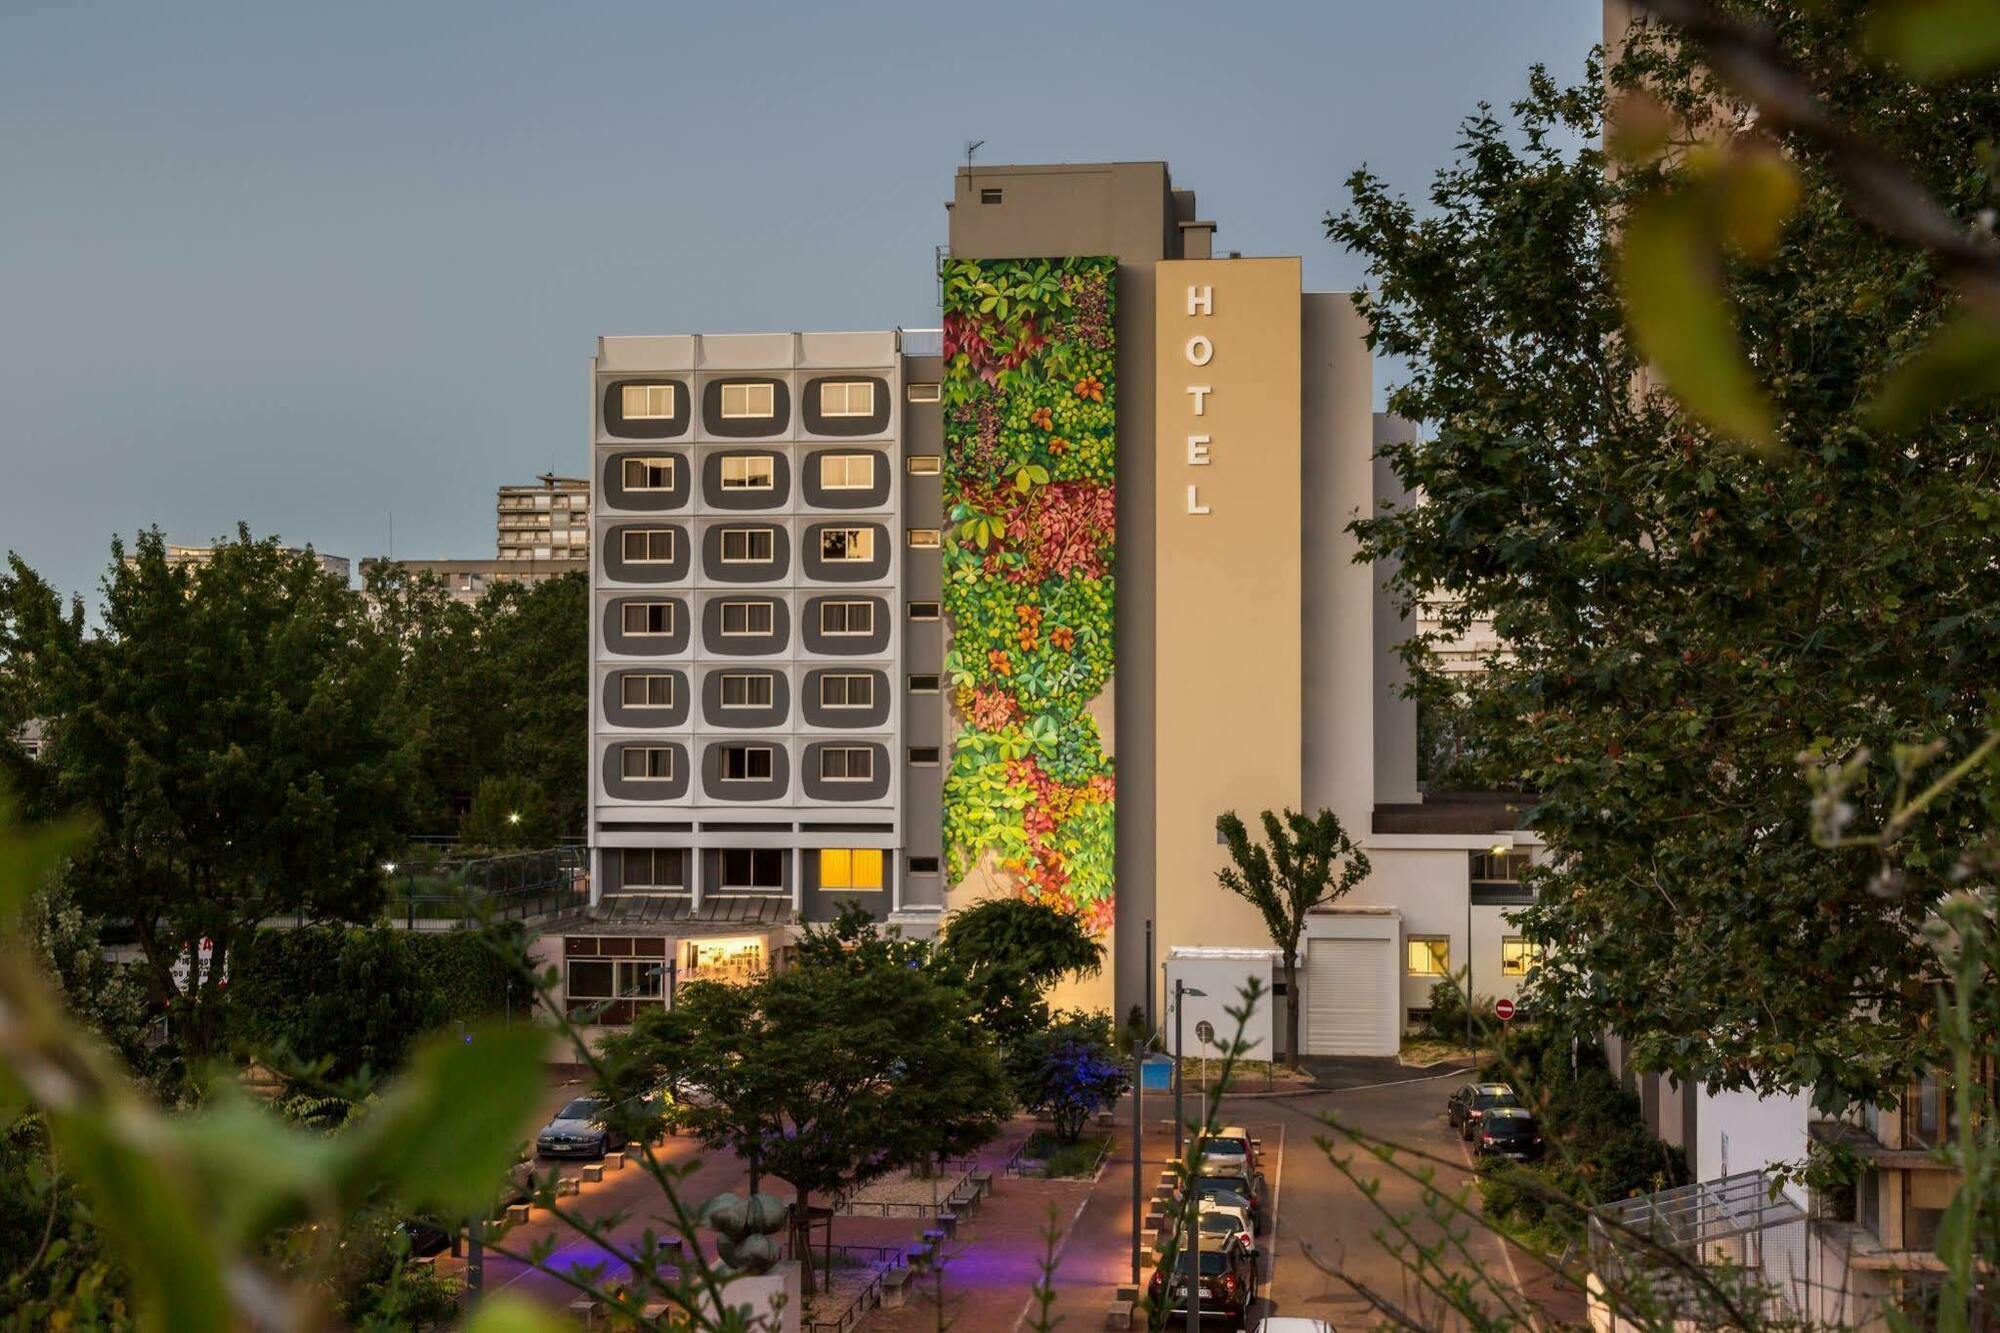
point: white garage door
(1347, 998)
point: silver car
(578, 1130)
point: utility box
(1156, 1074)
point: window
(633, 979)
(925, 539)
(647, 691)
(747, 618)
(924, 465)
(753, 868)
(990, 195)
(847, 398)
(850, 868)
(847, 545)
(925, 754)
(923, 391)
(649, 474)
(926, 684)
(1499, 867)
(652, 868)
(646, 402)
(847, 472)
(748, 546)
(1430, 956)
(746, 763)
(645, 763)
(845, 690)
(747, 400)
(847, 618)
(746, 690)
(1518, 957)
(926, 610)
(648, 546)
(647, 617)
(843, 763)
(748, 473)
(923, 865)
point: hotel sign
(1199, 350)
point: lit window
(847, 472)
(850, 868)
(646, 763)
(925, 539)
(747, 401)
(1518, 957)
(753, 868)
(847, 690)
(649, 474)
(647, 691)
(1430, 956)
(648, 546)
(747, 546)
(746, 618)
(924, 465)
(652, 868)
(748, 473)
(926, 611)
(845, 763)
(648, 618)
(923, 391)
(746, 763)
(749, 690)
(847, 545)
(847, 398)
(1501, 866)
(847, 617)
(646, 402)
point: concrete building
(469, 580)
(549, 521)
(788, 713)
(178, 555)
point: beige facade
(547, 521)
(469, 580)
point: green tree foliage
(1684, 619)
(1008, 952)
(224, 731)
(1304, 863)
(509, 812)
(1068, 1071)
(858, 1059)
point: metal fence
(880, 1258)
(445, 892)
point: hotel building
(880, 619)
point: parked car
(1224, 1224)
(1232, 1147)
(1228, 1282)
(579, 1130)
(1293, 1323)
(1227, 1203)
(1246, 1189)
(1509, 1131)
(1472, 1101)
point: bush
(1447, 1018)
(1067, 1071)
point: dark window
(652, 868)
(923, 865)
(753, 868)
(746, 763)
(926, 611)
(989, 196)
(925, 684)
(1504, 867)
(924, 754)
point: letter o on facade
(1200, 351)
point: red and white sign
(194, 966)
(1504, 1010)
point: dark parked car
(426, 1238)
(1228, 1281)
(1473, 1101)
(1509, 1131)
(579, 1130)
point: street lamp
(513, 816)
(1191, 1209)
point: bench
(919, 1256)
(1104, 1120)
(963, 1202)
(1119, 1315)
(517, 1213)
(895, 1288)
(983, 1181)
(948, 1223)
(594, 1172)
(584, 1310)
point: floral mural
(1030, 474)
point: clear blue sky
(304, 265)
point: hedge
(360, 997)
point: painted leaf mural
(1030, 475)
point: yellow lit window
(850, 868)
(646, 402)
(1430, 956)
(1518, 957)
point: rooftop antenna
(971, 146)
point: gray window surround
(616, 497)
(619, 787)
(616, 566)
(845, 645)
(822, 789)
(816, 423)
(876, 496)
(873, 570)
(668, 428)
(745, 428)
(717, 570)
(745, 645)
(716, 496)
(717, 788)
(820, 903)
(716, 714)
(616, 640)
(621, 714)
(818, 714)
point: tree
(1306, 862)
(223, 730)
(1683, 620)
(509, 811)
(1008, 953)
(856, 1060)
(1067, 1071)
